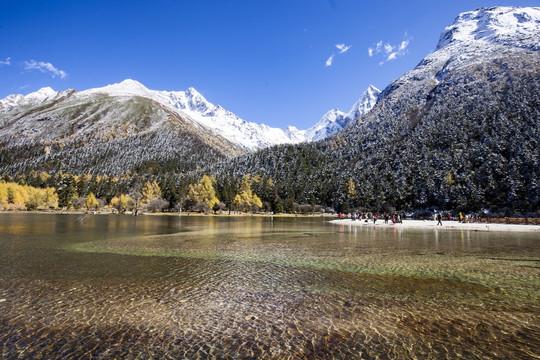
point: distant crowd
(368, 217)
(397, 218)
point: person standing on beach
(439, 219)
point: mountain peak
(372, 89)
(45, 91)
(196, 99)
(130, 82)
(41, 95)
(503, 25)
(129, 85)
(365, 103)
(335, 120)
(192, 92)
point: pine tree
(67, 192)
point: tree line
(135, 193)
(14, 196)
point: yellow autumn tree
(449, 179)
(150, 191)
(91, 202)
(122, 203)
(3, 193)
(50, 198)
(16, 194)
(245, 198)
(35, 197)
(352, 193)
(17, 197)
(204, 192)
(44, 176)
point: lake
(158, 287)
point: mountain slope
(249, 135)
(460, 131)
(188, 104)
(69, 130)
(100, 133)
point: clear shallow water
(204, 287)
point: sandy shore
(432, 224)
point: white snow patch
(505, 25)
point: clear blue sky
(277, 62)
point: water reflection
(209, 287)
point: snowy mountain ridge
(190, 102)
(335, 120)
(503, 25)
(249, 135)
(36, 98)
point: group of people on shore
(368, 217)
(460, 218)
(438, 217)
(397, 218)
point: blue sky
(279, 62)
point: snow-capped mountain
(112, 130)
(39, 97)
(251, 136)
(475, 37)
(502, 25)
(335, 120)
(128, 126)
(366, 102)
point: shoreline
(447, 225)
(184, 213)
(407, 224)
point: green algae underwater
(260, 287)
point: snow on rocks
(504, 25)
(249, 135)
(335, 120)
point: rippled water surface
(158, 287)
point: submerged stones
(271, 294)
